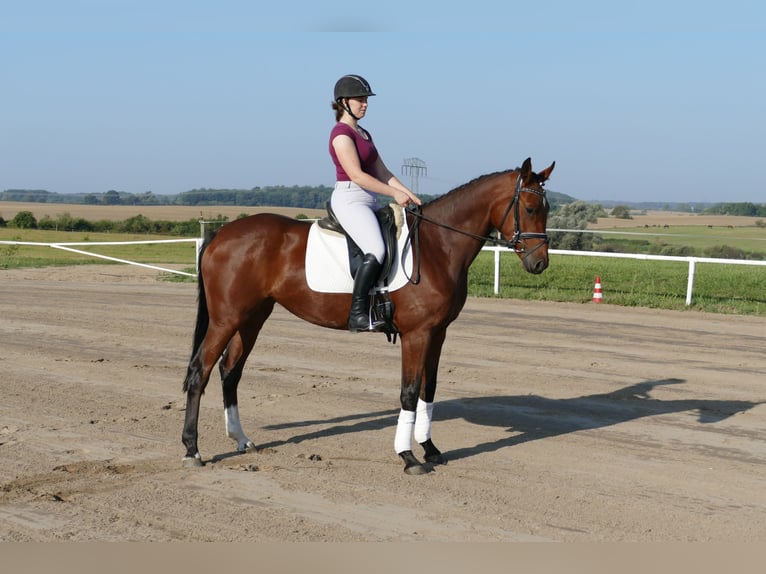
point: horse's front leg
(425, 409)
(420, 364)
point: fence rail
(69, 246)
(692, 262)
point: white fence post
(690, 283)
(199, 241)
(497, 270)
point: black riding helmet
(352, 86)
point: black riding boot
(359, 318)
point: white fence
(692, 261)
(70, 246)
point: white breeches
(355, 209)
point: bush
(621, 212)
(47, 223)
(137, 224)
(678, 250)
(24, 220)
(575, 215)
(725, 252)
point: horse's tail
(203, 318)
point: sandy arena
(561, 422)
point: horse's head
(524, 219)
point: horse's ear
(546, 173)
(526, 169)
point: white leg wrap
(423, 417)
(403, 439)
(234, 428)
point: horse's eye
(530, 210)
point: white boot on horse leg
(424, 415)
(403, 443)
(234, 429)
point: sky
(634, 101)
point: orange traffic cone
(597, 295)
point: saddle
(389, 229)
(382, 306)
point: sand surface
(561, 422)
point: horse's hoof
(412, 465)
(435, 458)
(247, 447)
(432, 454)
(193, 462)
(415, 469)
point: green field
(696, 241)
(657, 284)
(42, 256)
(718, 288)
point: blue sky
(639, 101)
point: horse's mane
(469, 184)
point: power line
(414, 167)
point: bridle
(520, 236)
(517, 239)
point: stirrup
(369, 326)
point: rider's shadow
(533, 417)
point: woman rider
(360, 175)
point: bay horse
(250, 264)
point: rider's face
(358, 106)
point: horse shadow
(528, 418)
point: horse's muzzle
(536, 265)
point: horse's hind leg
(231, 368)
(197, 377)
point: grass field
(657, 284)
(659, 229)
(41, 256)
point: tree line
(309, 197)
(278, 196)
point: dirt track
(560, 422)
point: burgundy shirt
(368, 153)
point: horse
(250, 264)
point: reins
(518, 237)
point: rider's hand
(404, 199)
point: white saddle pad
(328, 269)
